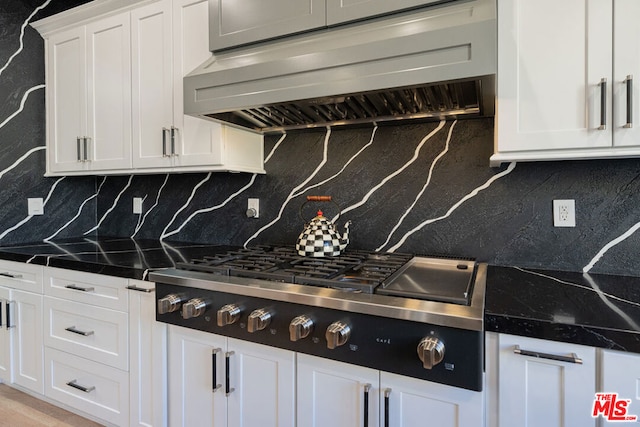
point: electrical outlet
(137, 205)
(253, 208)
(564, 213)
(35, 206)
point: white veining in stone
(144, 217)
(21, 159)
(212, 208)
(28, 218)
(22, 102)
(373, 134)
(275, 147)
(473, 193)
(296, 189)
(609, 245)
(193, 193)
(22, 28)
(424, 187)
(113, 206)
(48, 239)
(577, 285)
(605, 298)
(394, 174)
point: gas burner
(284, 264)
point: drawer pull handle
(573, 358)
(79, 288)
(387, 415)
(367, 388)
(74, 384)
(136, 288)
(11, 276)
(603, 104)
(78, 331)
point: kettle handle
(319, 199)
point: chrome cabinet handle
(629, 82)
(173, 140)
(603, 104)
(74, 384)
(139, 289)
(367, 387)
(86, 148)
(11, 276)
(227, 380)
(164, 142)
(79, 149)
(387, 392)
(78, 331)
(80, 288)
(1, 304)
(214, 370)
(573, 358)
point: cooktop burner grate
(355, 271)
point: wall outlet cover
(35, 206)
(564, 213)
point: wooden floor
(18, 409)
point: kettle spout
(344, 241)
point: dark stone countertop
(121, 257)
(590, 309)
(595, 310)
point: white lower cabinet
(87, 386)
(620, 373)
(21, 351)
(540, 382)
(219, 381)
(338, 394)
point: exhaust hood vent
(451, 99)
(433, 63)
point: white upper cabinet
(562, 79)
(89, 97)
(115, 96)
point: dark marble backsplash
(402, 190)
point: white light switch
(35, 206)
(137, 205)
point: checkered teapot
(320, 237)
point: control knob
(258, 320)
(300, 327)
(194, 307)
(430, 351)
(337, 334)
(228, 314)
(170, 303)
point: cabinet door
(552, 57)
(350, 10)
(66, 99)
(148, 359)
(444, 406)
(333, 393)
(28, 359)
(152, 84)
(6, 334)
(539, 391)
(626, 57)
(197, 141)
(240, 22)
(109, 93)
(263, 379)
(621, 374)
(196, 378)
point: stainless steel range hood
(431, 63)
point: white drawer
(95, 333)
(18, 275)
(100, 390)
(96, 289)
